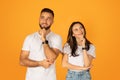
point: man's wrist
(45, 42)
(39, 63)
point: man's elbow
(22, 62)
(64, 65)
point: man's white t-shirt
(78, 60)
(33, 43)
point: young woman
(78, 53)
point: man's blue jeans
(82, 75)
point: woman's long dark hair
(71, 40)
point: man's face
(46, 20)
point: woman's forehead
(77, 26)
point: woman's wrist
(84, 48)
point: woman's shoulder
(66, 45)
(92, 46)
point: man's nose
(45, 21)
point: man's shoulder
(32, 35)
(52, 34)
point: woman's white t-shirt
(78, 60)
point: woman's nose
(80, 30)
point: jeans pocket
(88, 76)
(69, 75)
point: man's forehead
(46, 14)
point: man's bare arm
(51, 53)
(25, 61)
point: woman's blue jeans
(82, 75)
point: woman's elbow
(87, 65)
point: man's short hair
(47, 10)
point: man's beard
(46, 28)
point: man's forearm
(49, 52)
(30, 63)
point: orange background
(18, 18)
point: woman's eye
(76, 29)
(81, 27)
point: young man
(41, 49)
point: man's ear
(52, 21)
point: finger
(50, 62)
(47, 60)
(39, 32)
(44, 29)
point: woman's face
(78, 31)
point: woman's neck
(79, 41)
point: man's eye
(42, 17)
(49, 19)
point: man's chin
(46, 28)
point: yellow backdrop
(18, 18)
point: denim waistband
(76, 71)
(81, 75)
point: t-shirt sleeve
(57, 43)
(66, 49)
(26, 44)
(91, 51)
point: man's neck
(48, 31)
